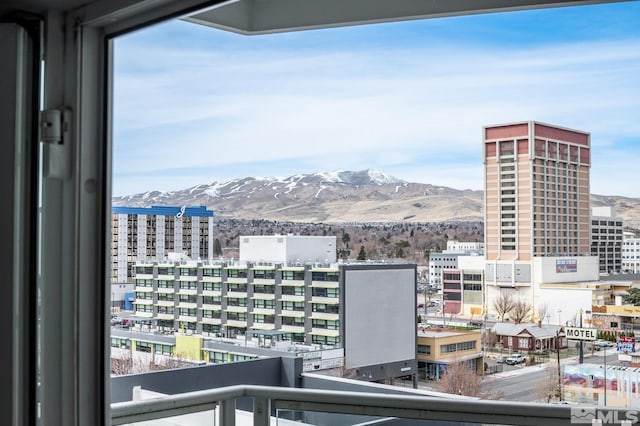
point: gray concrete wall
(264, 371)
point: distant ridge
(343, 196)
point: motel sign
(578, 333)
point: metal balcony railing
(266, 398)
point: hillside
(342, 197)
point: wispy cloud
(417, 112)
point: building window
(120, 343)
(294, 321)
(236, 273)
(165, 270)
(211, 300)
(165, 297)
(293, 275)
(188, 298)
(325, 340)
(424, 349)
(167, 310)
(264, 274)
(324, 276)
(143, 308)
(264, 319)
(237, 301)
(187, 312)
(326, 308)
(237, 316)
(165, 284)
(292, 306)
(209, 313)
(327, 324)
(263, 289)
(211, 272)
(188, 285)
(293, 291)
(264, 304)
(189, 272)
(163, 349)
(148, 270)
(143, 347)
(144, 283)
(211, 286)
(472, 287)
(239, 288)
(142, 295)
(211, 328)
(325, 292)
(458, 347)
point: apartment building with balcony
(607, 238)
(341, 305)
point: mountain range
(343, 196)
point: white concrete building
(606, 238)
(151, 233)
(630, 253)
(454, 246)
(288, 249)
(464, 288)
(448, 259)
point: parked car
(500, 359)
(514, 359)
(603, 344)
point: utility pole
(559, 372)
(605, 376)
(581, 341)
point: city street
(529, 383)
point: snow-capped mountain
(342, 196)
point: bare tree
(548, 388)
(460, 379)
(489, 339)
(503, 304)
(521, 311)
(543, 311)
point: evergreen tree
(217, 248)
(633, 297)
(362, 255)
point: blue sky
(194, 105)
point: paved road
(530, 384)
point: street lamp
(559, 312)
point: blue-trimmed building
(151, 233)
